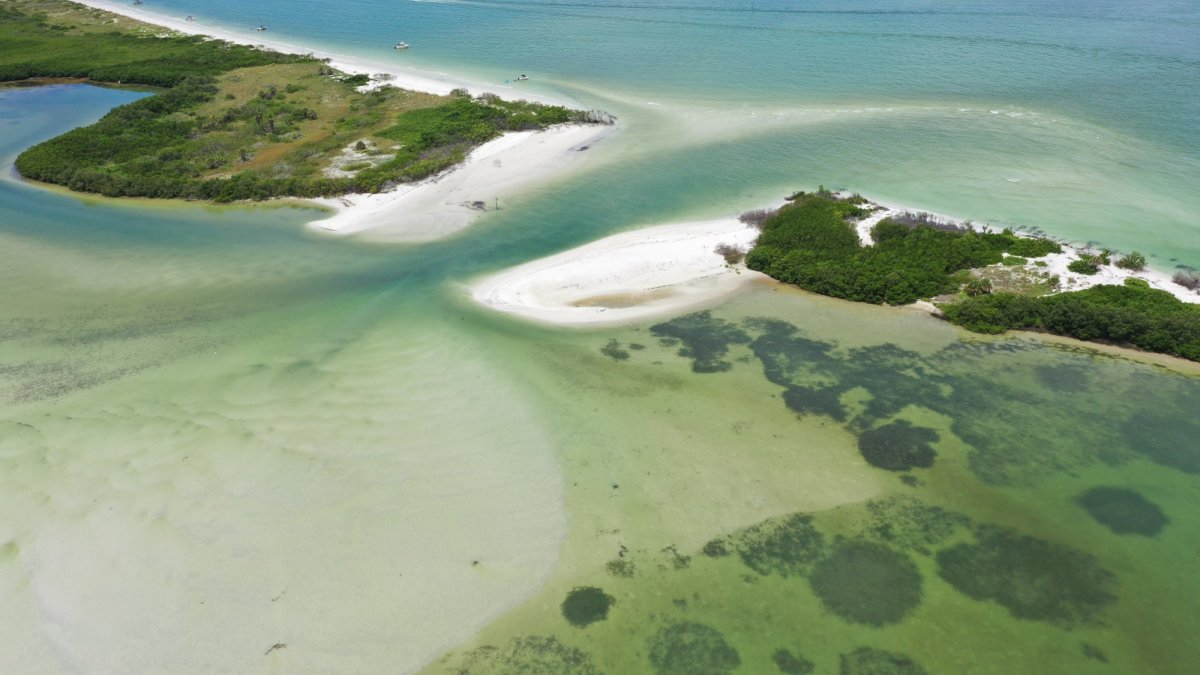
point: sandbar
(625, 277)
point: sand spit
(669, 268)
(626, 277)
(447, 203)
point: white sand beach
(626, 277)
(397, 75)
(447, 203)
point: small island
(985, 281)
(231, 122)
(847, 247)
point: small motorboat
(137, 2)
(522, 77)
(401, 45)
(190, 18)
(261, 28)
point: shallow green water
(221, 433)
(740, 499)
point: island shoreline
(425, 210)
(562, 289)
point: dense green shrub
(1085, 265)
(1132, 314)
(137, 149)
(811, 243)
(1134, 261)
(978, 287)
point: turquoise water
(1076, 117)
(241, 435)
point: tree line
(1130, 315)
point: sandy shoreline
(668, 269)
(447, 203)
(400, 76)
(624, 277)
(439, 206)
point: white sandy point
(626, 277)
(440, 206)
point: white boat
(522, 78)
(261, 28)
(401, 45)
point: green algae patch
(690, 648)
(869, 661)
(706, 340)
(867, 583)
(762, 584)
(716, 548)
(816, 401)
(613, 350)
(1032, 578)
(620, 567)
(912, 524)
(586, 605)
(898, 446)
(792, 664)
(815, 376)
(786, 546)
(1169, 440)
(1123, 511)
(1064, 377)
(527, 654)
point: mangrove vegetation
(813, 242)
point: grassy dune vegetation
(812, 242)
(233, 122)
